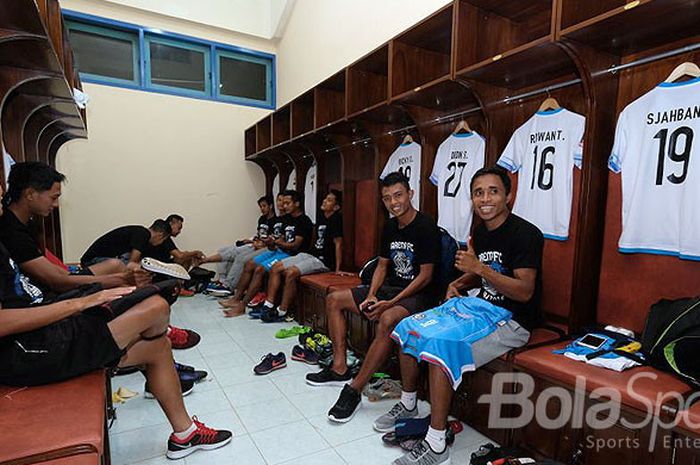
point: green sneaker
(292, 332)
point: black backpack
(199, 279)
(445, 272)
(671, 338)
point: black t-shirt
(16, 290)
(298, 226)
(265, 225)
(327, 230)
(277, 224)
(416, 244)
(118, 242)
(515, 244)
(162, 252)
(18, 238)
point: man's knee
(334, 301)
(158, 308)
(259, 270)
(387, 322)
(292, 274)
(250, 265)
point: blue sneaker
(257, 311)
(218, 290)
(188, 373)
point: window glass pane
(177, 67)
(102, 55)
(240, 78)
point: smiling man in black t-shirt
(410, 249)
(324, 255)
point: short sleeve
(384, 251)
(139, 240)
(510, 158)
(336, 226)
(620, 146)
(439, 162)
(528, 248)
(429, 238)
(580, 134)
(22, 247)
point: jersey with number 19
(543, 152)
(456, 161)
(656, 152)
(406, 159)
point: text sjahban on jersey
(673, 116)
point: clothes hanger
(407, 139)
(550, 103)
(684, 69)
(462, 127)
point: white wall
(324, 36)
(151, 154)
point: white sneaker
(168, 269)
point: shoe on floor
(346, 406)
(270, 363)
(256, 311)
(422, 454)
(271, 315)
(186, 386)
(186, 293)
(387, 422)
(168, 269)
(203, 438)
(258, 298)
(183, 338)
(301, 354)
(328, 377)
(186, 372)
(217, 290)
(291, 332)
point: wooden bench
(61, 423)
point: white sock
(436, 439)
(269, 304)
(182, 435)
(409, 399)
(281, 312)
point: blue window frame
(170, 63)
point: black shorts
(68, 348)
(414, 304)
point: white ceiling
(261, 18)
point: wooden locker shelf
(367, 82)
(329, 101)
(263, 134)
(302, 118)
(250, 141)
(280, 126)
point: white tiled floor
(276, 419)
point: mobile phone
(368, 306)
(592, 341)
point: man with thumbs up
(503, 259)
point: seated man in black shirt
(295, 239)
(504, 260)
(233, 258)
(127, 243)
(325, 254)
(34, 189)
(168, 252)
(410, 249)
(44, 342)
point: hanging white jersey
(660, 163)
(8, 162)
(543, 152)
(406, 159)
(276, 188)
(456, 161)
(292, 181)
(310, 193)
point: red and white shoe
(183, 338)
(257, 299)
(203, 437)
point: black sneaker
(186, 385)
(328, 377)
(346, 406)
(271, 315)
(270, 363)
(203, 437)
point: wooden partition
(281, 126)
(329, 101)
(302, 118)
(368, 82)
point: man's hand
(376, 310)
(108, 295)
(139, 277)
(466, 260)
(452, 291)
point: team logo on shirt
(24, 287)
(321, 235)
(493, 260)
(263, 230)
(289, 233)
(277, 230)
(402, 256)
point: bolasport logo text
(517, 389)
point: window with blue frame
(128, 55)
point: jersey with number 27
(456, 161)
(406, 159)
(543, 152)
(656, 151)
